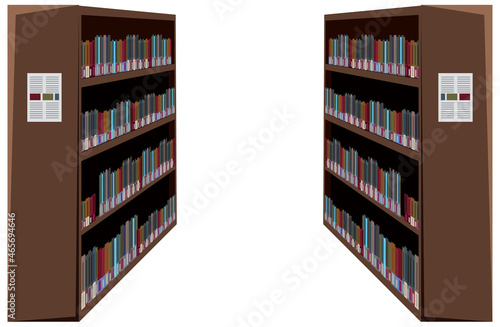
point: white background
(234, 71)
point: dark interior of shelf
(154, 198)
(394, 96)
(113, 158)
(386, 158)
(105, 96)
(379, 27)
(120, 27)
(347, 199)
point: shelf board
(124, 138)
(415, 82)
(377, 274)
(387, 211)
(122, 273)
(415, 155)
(112, 211)
(84, 82)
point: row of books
(384, 186)
(104, 55)
(400, 127)
(412, 213)
(88, 211)
(395, 55)
(101, 265)
(115, 186)
(398, 265)
(127, 116)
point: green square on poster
(451, 96)
(47, 96)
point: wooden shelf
(377, 274)
(375, 138)
(128, 200)
(387, 211)
(124, 272)
(124, 138)
(415, 82)
(39, 159)
(444, 207)
(84, 82)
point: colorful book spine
(399, 127)
(101, 265)
(115, 186)
(127, 116)
(398, 265)
(103, 55)
(88, 211)
(384, 186)
(412, 215)
(395, 55)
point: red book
(124, 51)
(158, 157)
(400, 120)
(399, 263)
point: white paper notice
(45, 97)
(455, 97)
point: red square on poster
(35, 96)
(464, 96)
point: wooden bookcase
(49, 175)
(451, 171)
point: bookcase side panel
(456, 237)
(44, 168)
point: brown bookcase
(449, 174)
(50, 175)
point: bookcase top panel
(382, 13)
(93, 11)
(415, 10)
